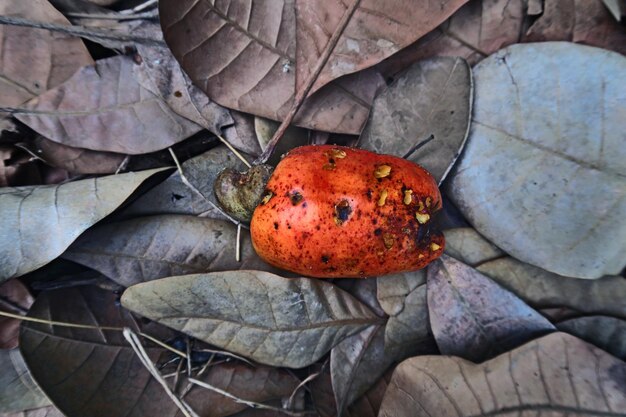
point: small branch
(152, 14)
(80, 31)
(304, 92)
(238, 244)
(235, 151)
(140, 7)
(250, 404)
(135, 343)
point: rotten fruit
(331, 212)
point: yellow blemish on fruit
(422, 217)
(434, 247)
(382, 171)
(389, 240)
(267, 197)
(338, 153)
(428, 201)
(383, 198)
(420, 256)
(420, 206)
(329, 167)
(408, 197)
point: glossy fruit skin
(325, 214)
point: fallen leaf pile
(136, 139)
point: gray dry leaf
(272, 320)
(473, 317)
(173, 196)
(38, 223)
(607, 333)
(18, 391)
(49, 411)
(89, 372)
(14, 298)
(148, 248)
(469, 247)
(34, 60)
(242, 134)
(393, 289)
(616, 7)
(543, 289)
(104, 108)
(256, 72)
(556, 375)
(543, 175)
(433, 98)
(160, 73)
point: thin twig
(140, 7)
(235, 151)
(135, 343)
(224, 353)
(304, 92)
(238, 244)
(152, 14)
(200, 373)
(80, 31)
(300, 385)
(250, 404)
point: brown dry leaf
(95, 373)
(607, 333)
(473, 317)
(14, 298)
(39, 222)
(582, 21)
(149, 248)
(104, 108)
(475, 31)
(270, 319)
(33, 60)
(242, 134)
(75, 160)
(244, 58)
(376, 30)
(556, 375)
(543, 289)
(431, 100)
(18, 391)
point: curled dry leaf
(14, 298)
(473, 317)
(546, 137)
(145, 249)
(607, 333)
(375, 31)
(557, 374)
(33, 60)
(18, 391)
(255, 73)
(473, 32)
(85, 371)
(104, 108)
(587, 22)
(469, 247)
(431, 100)
(543, 289)
(273, 320)
(59, 213)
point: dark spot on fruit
(331, 161)
(295, 197)
(275, 226)
(342, 211)
(325, 259)
(378, 232)
(374, 221)
(304, 205)
(369, 194)
(288, 226)
(317, 227)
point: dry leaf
(273, 320)
(252, 62)
(375, 31)
(149, 248)
(616, 7)
(469, 247)
(542, 175)
(104, 108)
(555, 375)
(14, 298)
(242, 134)
(587, 22)
(543, 289)
(394, 288)
(607, 333)
(95, 373)
(476, 30)
(49, 411)
(431, 100)
(33, 60)
(18, 391)
(474, 318)
(38, 223)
